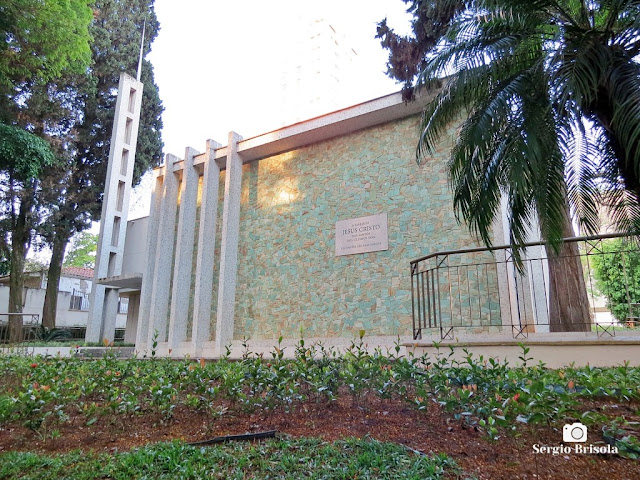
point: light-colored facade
(73, 298)
(245, 243)
(241, 239)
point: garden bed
(484, 415)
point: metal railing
(30, 331)
(483, 290)
(123, 305)
(79, 301)
(25, 327)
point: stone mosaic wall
(289, 278)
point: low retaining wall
(83, 352)
(555, 350)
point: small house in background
(73, 299)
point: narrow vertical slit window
(120, 197)
(127, 131)
(124, 163)
(116, 232)
(111, 271)
(132, 100)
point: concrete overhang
(348, 120)
(131, 281)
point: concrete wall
(288, 275)
(34, 301)
(555, 350)
(69, 284)
(135, 253)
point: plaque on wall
(362, 235)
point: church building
(304, 231)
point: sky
(219, 65)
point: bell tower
(103, 301)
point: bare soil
(393, 420)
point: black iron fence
(484, 290)
(18, 327)
(27, 328)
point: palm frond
(624, 81)
(547, 93)
(582, 173)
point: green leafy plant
(483, 392)
(617, 274)
(46, 335)
(616, 433)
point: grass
(280, 458)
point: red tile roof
(78, 272)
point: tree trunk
(19, 242)
(568, 300)
(53, 280)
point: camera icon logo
(574, 433)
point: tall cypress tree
(75, 189)
(408, 54)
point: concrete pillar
(164, 254)
(182, 269)
(132, 318)
(229, 246)
(95, 319)
(115, 206)
(148, 276)
(206, 248)
(109, 312)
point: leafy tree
(42, 41)
(75, 114)
(23, 156)
(83, 253)
(617, 273)
(75, 189)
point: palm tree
(550, 95)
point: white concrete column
(109, 313)
(206, 248)
(95, 320)
(183, 258)
(148, 276)
(164, 254)
(229, 246)
(132, 318)
(115, 206)
(103, 324)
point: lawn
(357, 415)
(298, 458)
